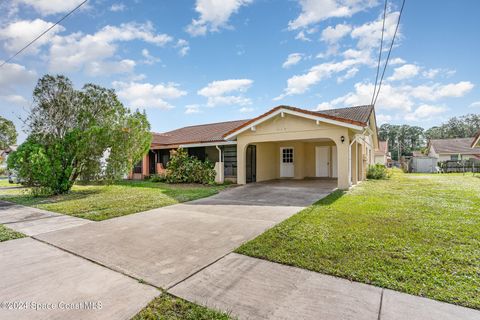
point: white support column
(219, 167)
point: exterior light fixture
(342, 138)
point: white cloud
(475, 104)
(246, 110)
(323, 106)
(192, 108)
(220, 92)
(425, 112)
(314, 11)
(334, 34)
(302, 36)
(47, 7)
(435, 72)
(214, 15)
(117, 7)
(431, 73)
(13, 75)
(19, 33)
(348, 75)
(406, 71)
(402, 98)
(383, 118)
(396, 61)
(147, 95)
(86, 51)
(14, 99)
(369, 34)
(98, 68)
(439, 91)
(149, 59)
(292, 60)
(299, 84)
(183, 47)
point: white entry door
(322, 161)
(334, 162)
(287, 168)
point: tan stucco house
(283, 143)
(383, 155)
(453, 149)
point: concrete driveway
(166, 245)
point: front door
(322, 161)
(287, 167)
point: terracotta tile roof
(453, 146)
(214, 132)
(476, 140)
(359, 113)
(211, 132)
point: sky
(194, 62)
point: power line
(380, 52)
(389, 52)
(42, 34)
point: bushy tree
(184, 168)
(457, 127)
(84, 133)
(402, 139)
(8, 134)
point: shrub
(183, 168)
(377, 172)
(161, 177)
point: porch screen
(230, 161)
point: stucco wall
(267, 161)
(293, 131)
(211, 153)
(381, 159)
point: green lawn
(167, 307)
(9, 234)
(414, 233)
(5, 183)
(100, 202)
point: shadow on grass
(28, 198)
(331, 198)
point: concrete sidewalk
(251, 288)
(48, 283)
(33, 221)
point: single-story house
(476, 140)
(452, 149)
(285, 142)
(382, 155)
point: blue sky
(190, 62)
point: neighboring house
(4, 155)
(476, 140)
(382, 155)
(452, 149)
(285, 142)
